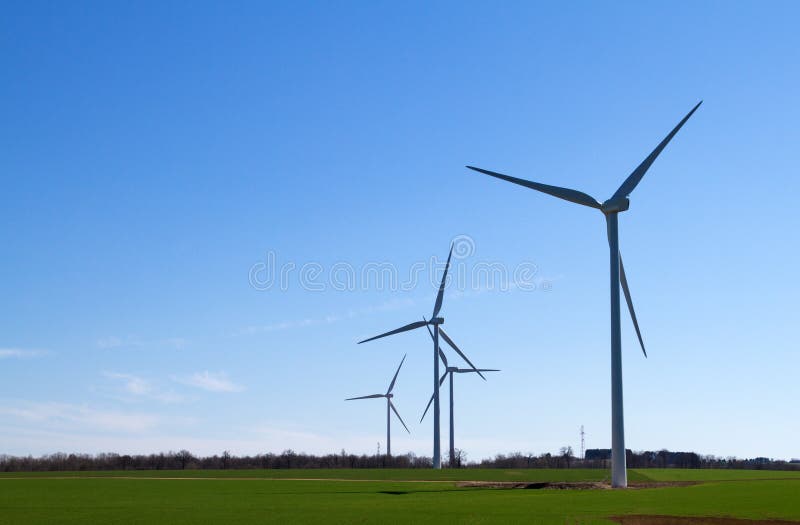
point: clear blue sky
(152, 154)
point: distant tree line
(668, 459)
(289, 459)
(182, 460)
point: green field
(385, 496)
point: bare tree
(566, 455)
(459, 459)
(184, 457)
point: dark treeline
(601, 458)
(184, 459)
(288, 459)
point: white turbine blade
(625, 290)
(440, 295)
(366, 397)
(441, 382)
(633, 179)
(578, 197)
(411, 326)
(391, 385)
(398, 416)
(458, 351)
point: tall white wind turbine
(389, 409)
(611, 208)
(436, 322)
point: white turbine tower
(450, 370)
(389, 408)
(611, 208)
(436, 321)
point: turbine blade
(567, 194)
(426, 408)
(624, 281)
(398, 416)
(441, 382)
(441, 354)
(406, 328)
(440, 296)
(391, 385)
(442, 357)
(467, 370)
(428, 326)
(633, 179)
(366, 397)
(458, 351)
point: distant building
(593, 454)
(662, 458)
(602, 453)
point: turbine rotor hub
(436, 320)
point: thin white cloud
(19, 353)
(176, 342)
(210, 382)
(69, 416)
(23, 439)
(394, 304)
(142, 388)
(112, 342)
(539, 283)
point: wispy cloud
(210, 382)
(142, 388)
(65, 415)
(352, 313)
(20, 353)
(111, 342)
(23, 438)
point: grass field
(392, 496)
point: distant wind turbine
(389, 409)
(611, 208)
(450, 370)
(435, 321)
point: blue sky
(156, 157)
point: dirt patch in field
(660, 484)
(644, 519)
(569, 485)
(584, 485)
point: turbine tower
(436, 322)
(610, 208)
(450, 370)
(583, 445)
(389, 409)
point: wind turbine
(450, 370)
(611, 208)
(389, 409)
(436, 322)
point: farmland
(389, 496)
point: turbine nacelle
(615, 205)
(436, 320)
